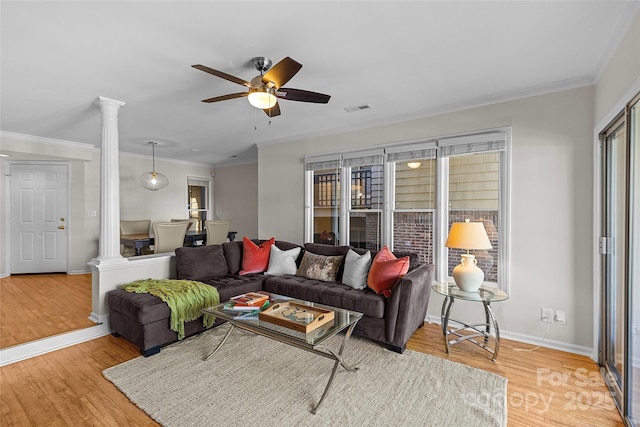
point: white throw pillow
(356, 269)
(282, 262)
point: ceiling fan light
(263, 100)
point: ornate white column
(109, 243)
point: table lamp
(468, 235)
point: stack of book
(249, 302)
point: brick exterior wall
(413, 231)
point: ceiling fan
(265, 89)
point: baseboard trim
(534, 340)
(36, 348)
(555, 345)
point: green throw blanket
(185, 298)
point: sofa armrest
(407, 305)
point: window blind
(403, 153)
(197, 182)
(322, 162)
(472, 144)
(363, 158)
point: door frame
(620, 108)
(615, 110)
(69, 222)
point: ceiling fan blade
(302, 95)
(222, 75)
(273, 111)
(225, 97)
(282, 72)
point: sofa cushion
(329, 293)
(233, 254)
(356, 269)
(143, 308)
(255, 258)
(385, 271)
(200, 263)
(320, 267)
(232, 285)
(283, 262)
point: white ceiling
(405, 59)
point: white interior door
(38, 219)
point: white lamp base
(467, 275)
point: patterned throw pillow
(385, 271)
(319, 267)
(282, 262)
(255, 258)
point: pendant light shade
(153, 180)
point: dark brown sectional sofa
(144, 319)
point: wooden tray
(296, 316)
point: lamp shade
(468, 235)
(263, 100)
(154, 181)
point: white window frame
(481, 142)
(193, 180)
(491, 140)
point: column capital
(104, 102)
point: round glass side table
(487, 330)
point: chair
(217, 231)
(138, 226)
(169, 236)
(190, 220)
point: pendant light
(153, 180)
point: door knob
(61, 227)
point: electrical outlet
(546, 315)
(560, 317)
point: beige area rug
(254, 380)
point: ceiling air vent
(358, 108)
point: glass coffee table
(344, 320)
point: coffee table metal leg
(215, 350)
(338, 358)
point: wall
(84, 161)
(84, 167)
(137, 202)
(551, 201)
(621, 73)
(235, 192)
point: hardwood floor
(545, 387)
(36, 306)
(66, 387)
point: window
(324, 204)
(198, 200)
(474, 178)
(406, 196)
(366, 198)
(413, 171)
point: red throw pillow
(385, 271)
(255, 258)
